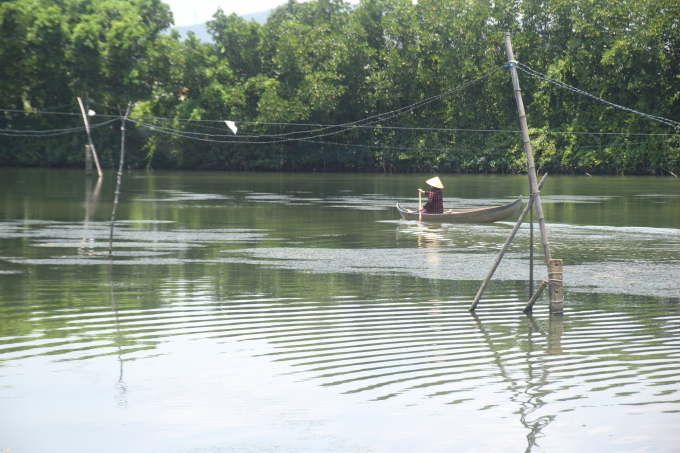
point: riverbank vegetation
(325, 62)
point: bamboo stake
(505, 248)
(89, 137)
(531, 169)
(534, 298)
(120, 175)
(555, 288)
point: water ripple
(384, 350)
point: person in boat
(435, 199)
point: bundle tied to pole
(89, 138)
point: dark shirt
(435, 202)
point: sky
(191, 12)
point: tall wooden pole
(531, 168)
(120, 175)
(554, 266)
(89, 137)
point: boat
(472, 215)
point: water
(289, 313)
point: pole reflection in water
(121, 386)
(555, 331)
(537, 379)
(91, 202)
(530, 395)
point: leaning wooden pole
(554, 266)
(120, 175)
(504, 249)
(89, 137)
(531, 169)
(536, 295)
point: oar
(420, 206)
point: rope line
(436, 129)
(444, 129)
(527, 70)
(175, 133)
(432, 129)
(371, 119)
(326, 130)
(608, 145)
(51, 133)
(44, 112)
(60, 106)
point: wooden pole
(504, 249)
(120, 175)
(555, 287)
(420, 206)
(89, 137)
(531, 168)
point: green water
(296, 312)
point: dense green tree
(54, 51)
(238, 42)
(614, 50)
(327, 62)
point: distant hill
(201, 31)
(260, 17)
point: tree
(53, 51)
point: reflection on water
(122, 388)
(531, 368)
(91, 203)
(300, 315)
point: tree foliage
(52, 51)
(328, 62)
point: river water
(247, 312)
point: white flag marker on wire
(232, 126)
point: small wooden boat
(473, 215)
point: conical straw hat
(435, 182)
